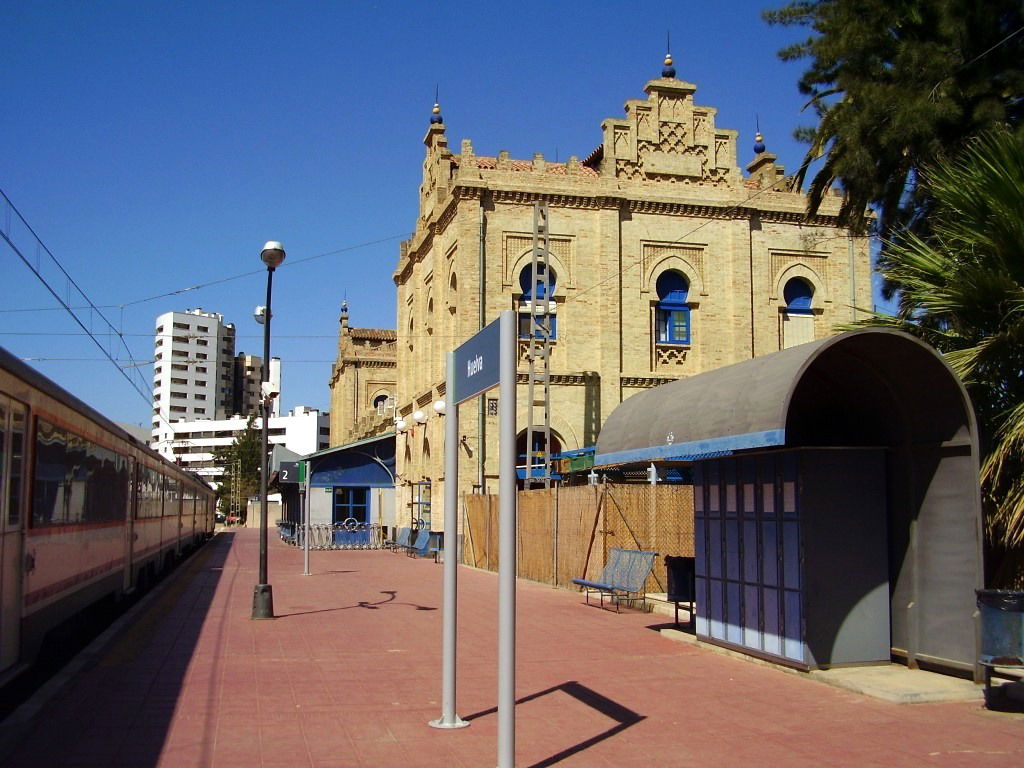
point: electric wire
(4, 233)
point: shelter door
(12, 474)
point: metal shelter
(837, 506)
(355, 479)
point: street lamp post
(263, 595)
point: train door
(12, 478)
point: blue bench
(622, 578)
(419, 547)
(401, 540)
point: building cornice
(776, 206)
(646, 381)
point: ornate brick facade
(662, 194)
(362, 383)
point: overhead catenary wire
(218, 281)
(122, 370)
(724, 213)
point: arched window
(798, 295)
(673, 313)
(453, 294)
(537, 449)
(381, 403)
(535, 292)
(797, 315)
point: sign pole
(303, 500)
(507, 543)
(484, 361)
(449, 603)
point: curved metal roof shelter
(837, 391)
(871, 388)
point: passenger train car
(87, 512)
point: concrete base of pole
(458, 722)
(263, 601)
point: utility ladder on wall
(538, 435)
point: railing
(349, 534)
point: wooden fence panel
(565, 533)
(578, 521)
(536, 539)
(477, 550)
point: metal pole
(263, 595)
(507, 543)
(305, 528)
(449, 609)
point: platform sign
(289, 472)
(477, 367)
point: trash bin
(681, 586)
(1002, 627)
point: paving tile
(348, 676)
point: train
(88, 513)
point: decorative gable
(667, 139)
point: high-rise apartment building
(248, 374)
(197, 375)
(194, 368)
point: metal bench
(401, 540)
(622, 578)
(419, 545)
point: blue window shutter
(798, 295)
(673, 313)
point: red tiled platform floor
(348, 674)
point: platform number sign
(292, 472)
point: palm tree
(962, 290)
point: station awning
(811, 394)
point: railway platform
(348, 674)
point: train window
(16, 452)
(150, 493)
(76, 480)
(3, 442)
(172, 492)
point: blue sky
(154, 146)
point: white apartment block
(197, 376)
(191, 443)
(193, 372)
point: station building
(362, 382)
(666, 260)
